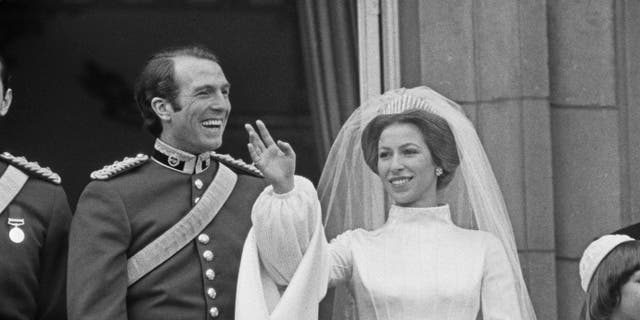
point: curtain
(328, 31)
(329, 40)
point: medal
(16, 234)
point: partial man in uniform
(34, 225)
(160, 236)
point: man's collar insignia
(112, 170)
(173, 160)
(32, 168)
(237, 163)
(179, 160)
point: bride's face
(406, 167)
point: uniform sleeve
(97, 267)
(53, 268)
(283, 226)
(499, 295)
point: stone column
(594, 63)
(491, 56)
(627, 40)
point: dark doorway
(74, 63)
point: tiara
(403, 103)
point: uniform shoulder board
(237, 163)
(32, 168)
(118, 167)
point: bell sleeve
(284, 225)
(284, 268)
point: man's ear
(162, 108)
(6, 102)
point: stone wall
(554, 90)
(594, 88)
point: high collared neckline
(439, 215)
(178, 160)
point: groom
(160, 236)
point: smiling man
(161, 237)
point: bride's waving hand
(283, 272)
(276, 160)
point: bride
(396, 154)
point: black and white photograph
(320, 159)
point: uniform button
(211, 292)
(203, 238)
(196, 200)
(198, 183)
(214, 312)
(210, 274)
(207, 255)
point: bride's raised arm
(285, 214)
(284, 271)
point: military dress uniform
(33, 242)
(131, 203)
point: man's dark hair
(158, 80)
(5, 77)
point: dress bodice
(419, 265)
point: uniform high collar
(439, 215)
(178, 160)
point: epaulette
(237, 163)
(32, 168)
(118, 167)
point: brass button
(207, 255)
(210, 274)
(203, 238)
(211, 292)
(214, 312)
(198, 183)
(196, 200)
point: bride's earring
(439, 171)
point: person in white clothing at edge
(418, 264)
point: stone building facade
(554, 90)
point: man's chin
(214, 144)
(203, 146)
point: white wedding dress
(418, 265)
